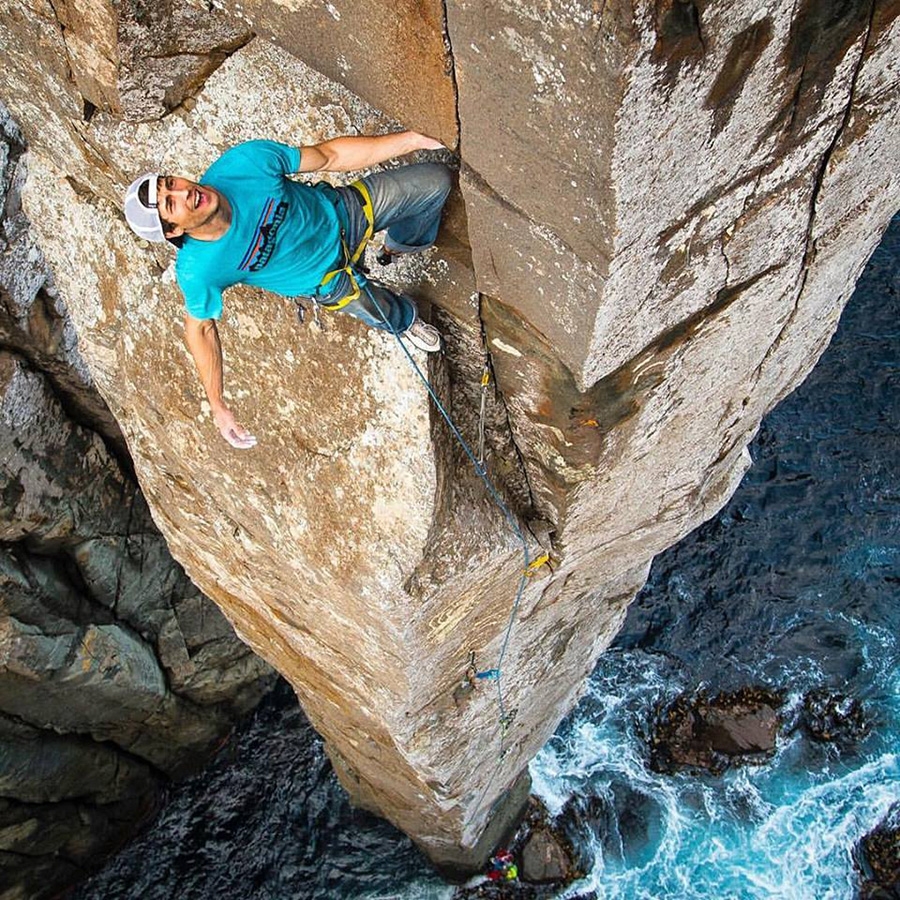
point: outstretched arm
(202, 338)
(346, 154)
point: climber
(247, 222)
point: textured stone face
(137, 59)
(113, 668)
(394, 55)
(664, 209)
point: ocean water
(795, 585)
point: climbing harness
(350, 259)
(530, 566)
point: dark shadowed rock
(877, 859)
(546, 858)
(733, 728)
(832, 717)
(622, 820)
(586, 819)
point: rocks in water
(831, 717)
(546, 858)
(695, 732)
(878, 860)
(543, 856)
(622, 821)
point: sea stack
(661, 210)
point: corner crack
(502, 400)
(809, 244)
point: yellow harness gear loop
(351, 259)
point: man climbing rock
(247, 222)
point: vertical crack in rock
(120, 561)
(451, 70)
(809, 243)
(679, 36)
(520, 457)
(809, 247)
(62, 31)
(448, 42)
(87, 104)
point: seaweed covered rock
(878, 860)
(696, 732)
(832, 717)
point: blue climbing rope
(495, 674)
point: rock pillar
(662, 210)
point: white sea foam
(775, 832)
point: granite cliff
(662, 209)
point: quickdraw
(485, 381)
(536, 563)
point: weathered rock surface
(115, 672)
(696, 732)
(878, 860)
(831, 717)
(141, 60)
(661, 220)
(545, 859)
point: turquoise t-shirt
(284, 236)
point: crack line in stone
(809, 248)
(502, 400)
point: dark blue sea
(795, 585)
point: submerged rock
(624, 822)
(695, 732)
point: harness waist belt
(349, 259)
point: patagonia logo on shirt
(262, 245)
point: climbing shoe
(424, 336)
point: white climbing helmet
(144, 218)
